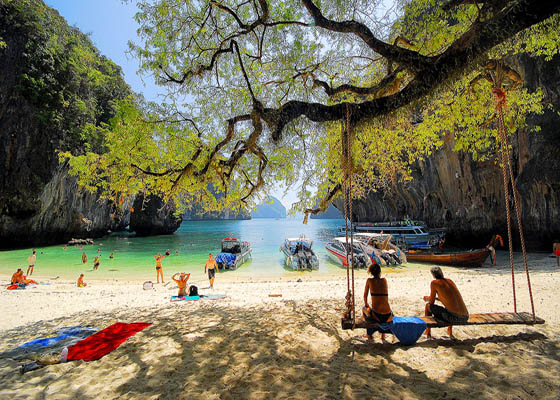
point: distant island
(270, 208)
(331, 213)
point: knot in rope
(500, 95)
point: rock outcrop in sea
(451, 190)
(152, 216)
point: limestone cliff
(451, 190)
(151, 216)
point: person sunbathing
(445, 291)
(16, 277)
(24, 279)
(380, 310)
(81, 282)
(181, 282)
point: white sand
(249, 345)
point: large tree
(255, 88)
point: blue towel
(64, 333)
(407, 329)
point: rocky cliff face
(151, 216)
(53, 82)
(451, 190)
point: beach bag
(148, 285)
(193, 291)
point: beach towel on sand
(104, 342)
(407, 329)
(200, 297)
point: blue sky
(110, 24)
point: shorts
(211, 273)
(444, 315)
(557, 252)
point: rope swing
(346, 142)
(507, 172)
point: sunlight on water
(134, 257)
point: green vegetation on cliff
(57, 92)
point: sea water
(193, 241)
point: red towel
(103, 342)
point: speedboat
(298, 254)
(234, 253)
(380, 249)
(336, 249)
(409, 233)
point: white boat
(234, 253)
(336, 249)
(299, 255)
(380, 249)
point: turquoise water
(134, 257)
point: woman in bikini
(380, 310)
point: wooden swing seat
(522, 318)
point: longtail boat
(471, 258)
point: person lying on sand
(16, 277)
(181, 282)
(23, 279)
(380, 310)
(445, 291)
(81, 282)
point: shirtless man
(81, 282)
(96, 263)
(16, 277)
(159, 269)
(211, 266)
(31, 260)
(556, 250)
(181, 282)
(445, 291)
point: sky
(111, 25)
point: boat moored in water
(380, 249)
(471, 258)
(336, 249)
(234, 253)
(299, 255)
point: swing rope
(507, 169)
(347, 185)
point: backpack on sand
(193, 290)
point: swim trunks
(444, 315)
(211, 273)
(557, 252)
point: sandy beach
(250, 345)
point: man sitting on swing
(445, 291)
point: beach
(250, 345)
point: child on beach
(96, 263)
(159, 269)
(31, 260)
(81, 282)
(181, 282)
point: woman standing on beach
(159, 269)
(380, 310)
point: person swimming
(96, 263)
(181, 282)
(84, 258)
(81, 282)
(111, 256)
(167, 253)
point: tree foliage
(257, 90)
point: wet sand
(250, 345)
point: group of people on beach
(18, 278)
(210, 267)
(442, 289)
